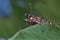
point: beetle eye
(28, 15)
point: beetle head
(28, 14)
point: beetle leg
(52, 22)
(55, 24)
(26, 19)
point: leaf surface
(38, 32)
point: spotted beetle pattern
(32, 19)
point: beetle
(32, 19)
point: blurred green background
(48, 9)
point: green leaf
(38, 32)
